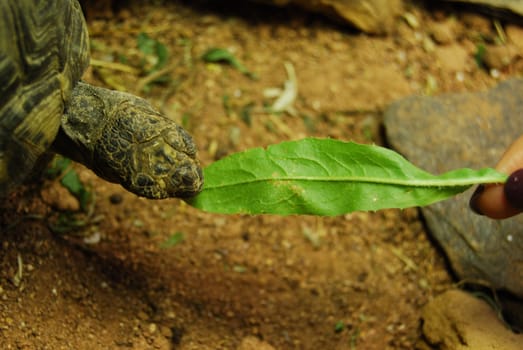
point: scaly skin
(124, 140)
(44, 50)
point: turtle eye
(143, 180)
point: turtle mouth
(187, 181)
(183, 181)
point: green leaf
(226, 102)
(163, 55)
(479, 56)
(339, 326)
(145, 44)
(58, 165)
(326, 177)
(216, 55)
(173, 240)
(153, 49)
(72, 182)
(246, 113)
(186, 119)
(67, 222)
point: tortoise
(45, 108)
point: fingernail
(514, 189)
(473, 203)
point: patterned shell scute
(44, 49)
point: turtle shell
(44, 49)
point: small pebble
(143, 316)
(166, 332)
(116, 198)
(442, 32)
(60, 198)
(498, 56)
(452, 58)
(93, 238)
(411, 19)
(428, 44)
(476, 22)
(515, 35)
(152, 328)
(254, 343)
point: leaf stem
(441, 181)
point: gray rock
(457, 320)
(515, 6)
(252, 343)
(466, 130)
(371, 16)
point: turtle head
(162, 165)
(124, 140)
